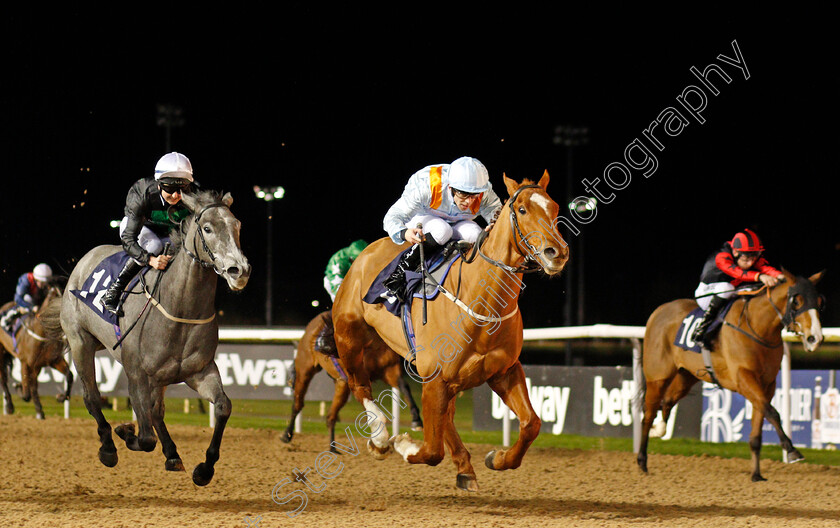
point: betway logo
(549, 402)
(108, 371)
(612, 405)
(253, 372)
(233, 370)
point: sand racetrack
(50, 476)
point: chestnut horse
(465, 343)
(746, 355)
(380, 361)
(35, 350)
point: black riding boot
(410, 261)
(325, 341)
(112, 297)
(699, 335)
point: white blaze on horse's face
(555, 253)
(813, 335)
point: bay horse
(380, 361)
(746, 357)
(35, 350)
(169, 332)
(457, 349)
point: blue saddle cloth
(377, 293)
(98, 281)
(690, 322)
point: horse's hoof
(488, 460)
(416, 426)
(39, 416)
(174, 464)
(466, 482)
(108, 459)
(794, 457)
(203, 474)
(147, 444)
(60, 398)
(758, 478)
(379, 453)
(10, 409)
(125, 431)
(286, 437)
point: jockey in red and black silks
(739, 261)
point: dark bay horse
(463, 344)
(746, 356)
(35, 350)
(380, 361)
(175, 336)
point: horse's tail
(50, 317)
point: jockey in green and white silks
(339, 264)
(337, 267)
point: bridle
(531, 264)
(811, 300)
(788, 318)
(200, 235)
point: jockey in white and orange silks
(445, 199)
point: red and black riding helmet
(747, 242)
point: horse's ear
(227, 199)
(510, 184)
(816, 277)
(544, 180)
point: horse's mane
(203, 198)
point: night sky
(342, 112)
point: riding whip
(422, 271)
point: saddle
(98, 281)
(438, 264)
(689, 323)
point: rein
(462, 305)
(531, 264)
(204, 264)
(786, 318)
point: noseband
(200, 235)
(531, 264)
(788, 318)
(810, 300)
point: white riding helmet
(468, 175)
(174, 166)
(42, 272)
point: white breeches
(721, 289)
(147, 239)
(442, 231)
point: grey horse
(174, 334)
